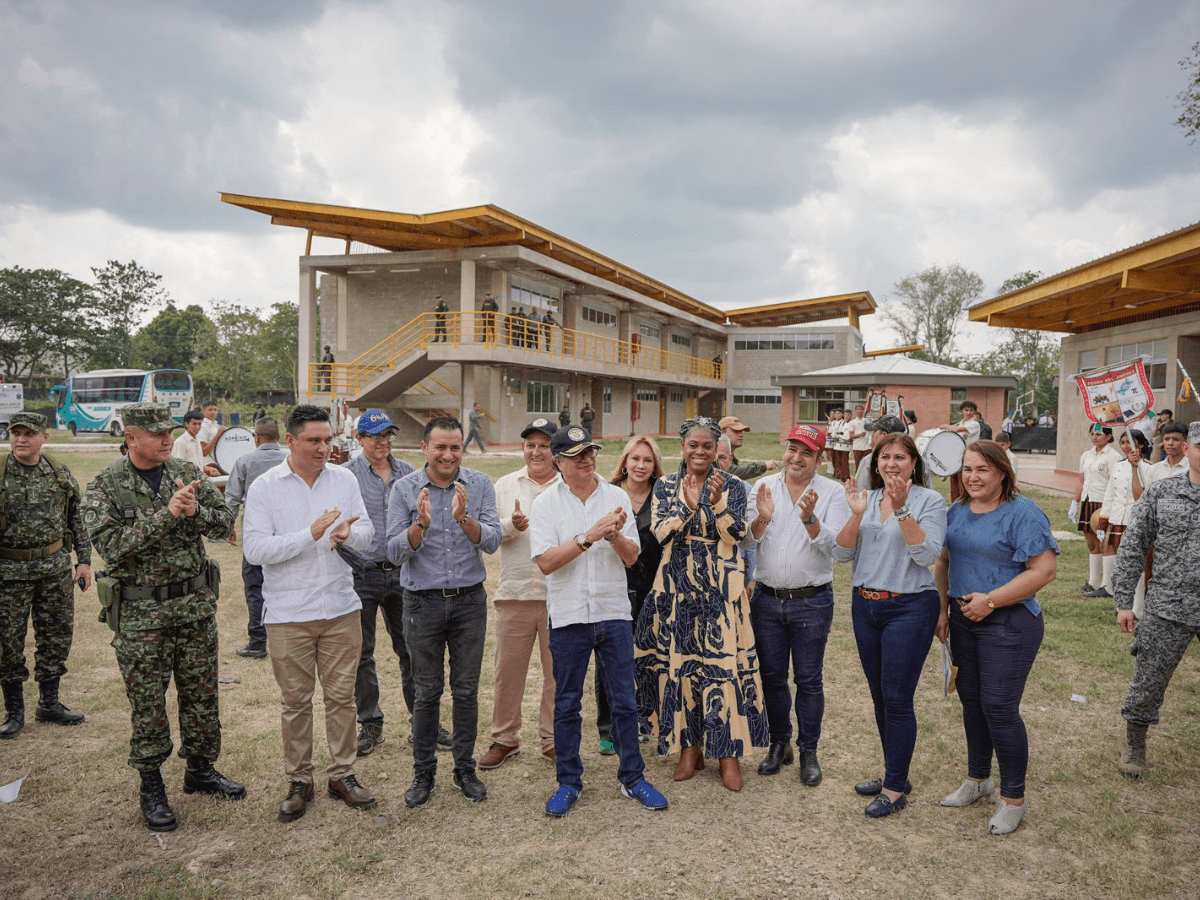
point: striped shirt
(375, 496)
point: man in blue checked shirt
(441, 520)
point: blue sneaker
(561, 802)
(646, 794)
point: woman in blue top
(999, 554)
(894, 535)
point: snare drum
(944, 453)
(233, 444)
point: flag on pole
(1185, 389)
(1116, 395)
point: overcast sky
(742, 151)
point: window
(606, 399)
(544, 397)
(649, 331)
(533, 294)
(1088, 360)
(759, 398)
(647, 395)
(599, 316)
(1156, 365)
(786, 342)
(675, 396)
(681, 340)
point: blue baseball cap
(375, 421)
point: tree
(278, 354)
(175, 339)
(123, 292)
(227, 369)
(1189, 98)
(928, 309)
(44, 319)
(1032, 357)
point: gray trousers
(1161, 645)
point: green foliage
(928, 308)
(175, 339)
(1189, 98)
(277, 360)
(123, 292)
(44, 320)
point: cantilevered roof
(1158, 278)
(491, 226)
(895, 370)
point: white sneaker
(969, 792)
(1007, 818)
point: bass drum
(232, 445)
(923, 439)
(944, 453)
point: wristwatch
(988, 598)
(812, 520)
(903, 513)
(582, 541)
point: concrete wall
(1182, 334)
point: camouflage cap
(152, 417)
(31, 420)
(1193, 432)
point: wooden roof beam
(1159, 282)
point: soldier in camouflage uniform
(148, 515)
(39, 525)
(1168, 517)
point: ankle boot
(14, 709)
(202, 778)
(50, 708)
(1133, 760)
(158, 815)
(731, 773)
(689, 761)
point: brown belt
(869, 594)
(30, 555)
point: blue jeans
(893, 638)
(796, 631)
(380, 591)
(994, 658)
(434, 624)
(252, 581)
(571, 648)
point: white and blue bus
(92, 401)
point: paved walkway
(1040, 470)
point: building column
(306, 330)
(343, 316)
(466, 302)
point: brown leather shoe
(690, 762)
(296, 804)
(550, 755)
(496, 755)
(731, 773)
(350, 792)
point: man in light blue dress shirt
(441, 520)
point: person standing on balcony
(535, 328)
(547, 323)
(327, 362)
(439, 320)
(489, 310)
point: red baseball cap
(809, 435)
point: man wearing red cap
(799, 516)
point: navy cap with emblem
(545, 426)
(571, 441)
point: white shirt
(190, 449)
(592, 587)
(1164, 469)
(208, 431)
(520, 578)
(860, 443)
(1118, 496)
(1012, 460)
(303, 580)
(973, 430)
(1096, 468)
(787, 557)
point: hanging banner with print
(1117, 395)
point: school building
(1143, 301)
(642, 354)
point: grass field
(76, 831)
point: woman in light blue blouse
(999, 553)
(894, 535)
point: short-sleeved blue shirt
(990, 549)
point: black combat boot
(50, 708)
(202, 778)
(14, 709)
(158, 815)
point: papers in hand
(949, 671)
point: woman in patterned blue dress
(697, 669)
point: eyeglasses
(380, 438)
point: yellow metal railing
(528, 342)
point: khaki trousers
(300, 653)
(519, 623)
